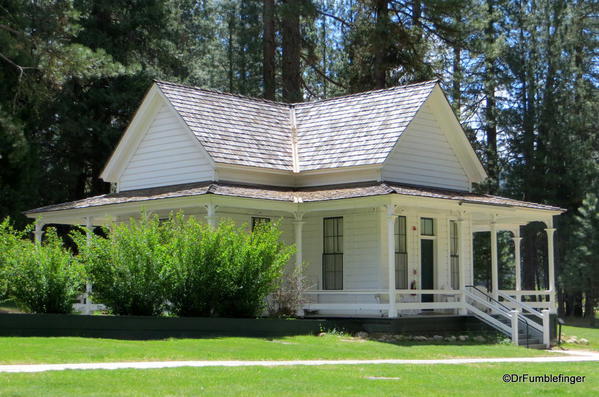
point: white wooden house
(374, 189)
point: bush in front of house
(252, 265)
(42, 278)
(193, 283)
(285, 300)
(223, 271)
(125, 269)
(148, 266)
(10, 239)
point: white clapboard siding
(424, 156)
(166, 155)
(361, 260)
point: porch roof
(287, 194)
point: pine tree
(582, 271)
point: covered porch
(367, 250)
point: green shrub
(198, 270)
(126, 268)
(43, 278)
(193, 282)
(222, 271)
(10, 241)
(255, 263)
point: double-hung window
(332, 256)
(454, 255)
(401, 254)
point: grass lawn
(17, 350)
(581, 331)
(437, 380)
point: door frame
(434, 238)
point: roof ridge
(294, 141)
(290, 105)
(213, 91)
(363, 93)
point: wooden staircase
(523, 324)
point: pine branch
(321, 73)
(312, 94)
(21, 70)
(336, 18)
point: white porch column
(551, 266)
(462, 264)
(39, 231)
(494, 261)
(298, 226)
(517, 261)
(89, 226)
(391, 259)
(211, 214)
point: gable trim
(450, 125)
(137, 130)
(453, 131)
(188, 130)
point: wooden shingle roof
(358, 129)
(290, 195)
(352, 130)
(235, 129)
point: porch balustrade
(378, 300)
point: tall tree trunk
(457, 80)
(324, 57)
(269, 49)
(230, 43)
(416, 12)
(589, 306)
(290, 31)
(491, 103)
(577, 308)
(381, 35)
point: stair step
(538, 346)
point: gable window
(401, 254)
(256, 220)
(427, 227)
(454, 255)
(332, 256)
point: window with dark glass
(256, 220)
(332, 257)
(427, 227)
(454, 255)
(401, 254)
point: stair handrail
(507, 310)
(522, 305)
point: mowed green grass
(413, 380)
(19, 350)
(591, 334)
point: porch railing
(536, 299)
(378, 300)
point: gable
(184, 134)
(424, 156)
(233, 129)
(166, 155)
(358, 129)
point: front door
(427, 268)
